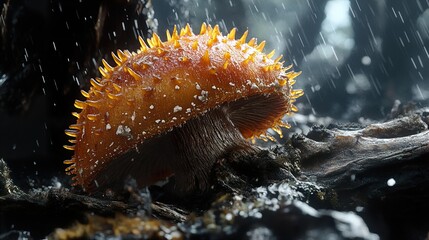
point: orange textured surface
(163, 85)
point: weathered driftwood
(366, 159)
(381, 170)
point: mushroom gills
(255, 114)
(190, 151)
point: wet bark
(364, 159)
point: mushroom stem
(188, 152)
(201, 142)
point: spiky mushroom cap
(165, 84)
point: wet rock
(19, 235)
(272, 212)
(300, 221)
(6, 184)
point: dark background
(357, 58)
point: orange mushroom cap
(165, 84)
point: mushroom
(175, 107)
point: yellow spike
(117, 87)
(69, 147)
(117, 60)
(283, 124)
(71, 171)
(291, 81)
(231, 34)
(267, 68)
(92, 116)
(157, 40)
(75, 126)
(96, 84)
(195, 45)
(210, 42)
(106, 65)
(206, 58)
(264, 58)
(216, 32)
(121, 55)
(143, 45)
(161, 51)
(97, 93)
(288, 67)
(293, 75)
(203, 28)
(242, 40)
(182, 32)
(278, 130)
(167, 33)
(225, 64)
(175, 35)
(75, 114)
(188, 30)
(252, 42)
(103, 71)
(135, 75)
(271, 138)
(150, 43)
(127, 53)
(213, 36)
(263, 137)
(282, 81)
(71, 133)
(271, 54)
(293, 108)
(79, 104)
(91, 103)
(113, 96)
(227, 55)
(176, 44)
(297, 93)
(85, 94)
(251, 58)
(278, 58)
(71, 161)
(261, 46)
